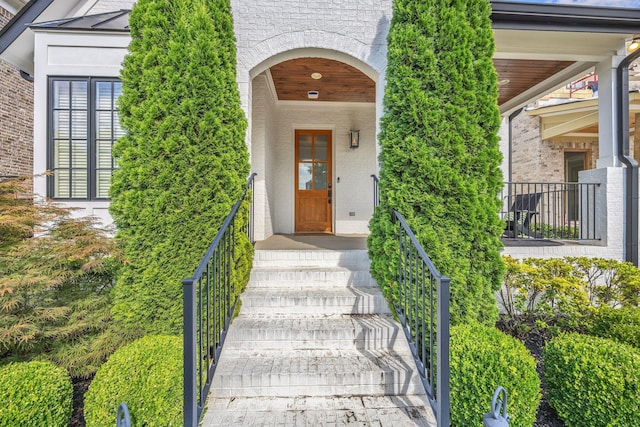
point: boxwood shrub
(35, 394)
(622, 325)
(593, 381)
(147, 376)
(483, 358)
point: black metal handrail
(550, 210)
(422, 305)
(376, 191)
(209, 304)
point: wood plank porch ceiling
(343, 83)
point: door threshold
(313, 233)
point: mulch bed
(535, 339)
(80, 387)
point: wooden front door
(313, 198)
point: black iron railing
(376, 191)
(550, 210)
(422, 305)
(209, 303)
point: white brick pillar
(609, 207)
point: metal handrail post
(189, 357)
(443, 374)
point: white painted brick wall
(354, 192)
(103, 6)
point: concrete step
(315, 345)
(405, 411)
(356, 259)
(309, 277)
(313, 301)
(364, 332)
(315, 373)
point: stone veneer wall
(16, 118)
(537, 160)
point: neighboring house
(16, 110)
(557, 136)
(309, 74)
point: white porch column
(607, 116)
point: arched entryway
(311, 177)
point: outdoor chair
(518, 220)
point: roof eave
(557, 17)
(17, 25)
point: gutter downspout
(631, 173)
(510, 142)
(28, 77)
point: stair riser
(268, 278)
(321, 385)
(315, 307)
(316, 344)
(356, 260)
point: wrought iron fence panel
(550, 210)
(209, 304)
(422, 306)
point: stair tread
(314, 361)
(410, 410)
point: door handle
(330, 193)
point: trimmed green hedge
(622, 325)
(483, 358)
(147, 376)
(35, 394)
(439, 157)
(184, 161)
(593, 381)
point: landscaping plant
(56, 274)
(146, 375)
(619, 324)
(34, 394)
(483, 358)
(183, 162)
(593, 381)
(439, 158)
(567, 291)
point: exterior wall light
(354, 138)
(634, 45)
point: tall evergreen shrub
(439, 154)
(184, 161)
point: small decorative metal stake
(354, 138)
(498, 416)
(122, 417)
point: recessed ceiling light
(504, 82)
(316, 76)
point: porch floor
(332, 242)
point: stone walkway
(315, 345)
